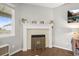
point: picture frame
(73, 16)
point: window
(7, 21)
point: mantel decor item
(23, 20)
(41, 22)
(34, 22)
(51, 22)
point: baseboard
(62, 48)
(24, 49)
(50, 46)
(15, 52)
(4, 45)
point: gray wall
(33, 12)
(30, 12)
(62, 32)
(8, 40)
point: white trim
(15, 52)
(50, 42)
(62, 47)
(24, 38)
(37, 26)
(4, 45)
(11, 5)
(6, 35)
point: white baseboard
(24, 49)
(15, 52)
(4, 45)
(62, 47)
(50, 46)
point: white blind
(5, 11)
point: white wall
(62, 33)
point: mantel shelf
(38, 26)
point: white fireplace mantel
(26, 27)
(38, 26)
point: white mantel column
(50, 37)
(25, 37)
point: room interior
(39, 29)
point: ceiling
(50, 5)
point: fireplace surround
(37, 29)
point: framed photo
(73, 16)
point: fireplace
(37, 42)
(37, 36)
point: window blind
(5, 11)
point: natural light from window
(5, 25)
(7, 21)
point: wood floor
(46, 52)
